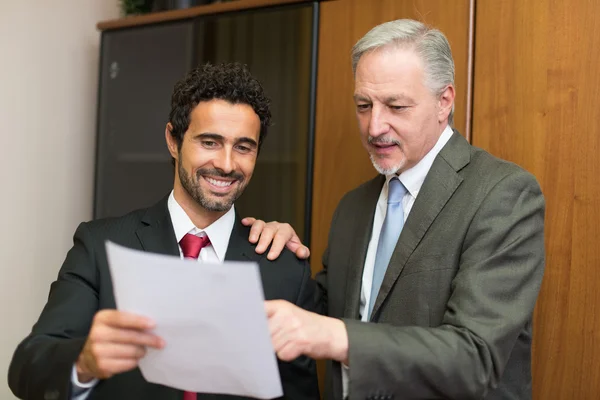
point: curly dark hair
(231, 82)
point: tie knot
(396, 191)
(192, 244)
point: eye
(398, 108)
(243, 149)
(209, 144)
(363, 107)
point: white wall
(48, 83)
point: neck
(200, 216)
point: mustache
(218, 173)
(383, 140)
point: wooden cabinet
(536, 90)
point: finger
(266, 237)
(127, 336)
(125, 320)
(274, 306)
(279, 241)
(271, 307)
(288, 352)
(248, 221)
(279, 337)
(118, 351)
(112, 366)
(256, 230)
(301, 251)
(276, 325)
(275, 328)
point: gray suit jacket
(453, 319)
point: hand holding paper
(211, 317)
(115, 344)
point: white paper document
(211, 316)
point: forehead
(389, 71)
(224, 118)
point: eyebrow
(210, 135)
(387, 100)
(358, 97)
(216, 136)
(392, 99)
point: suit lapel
(156, 234)
(363, 216)
(439, 185)
(239, 247)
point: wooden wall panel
(341, 163)
(536, 90)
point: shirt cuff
(79, 385)
(345, 381)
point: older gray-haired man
(433, 267)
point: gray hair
(430, 44)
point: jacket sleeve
(42, 363)
(493, 297)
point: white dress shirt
(412, 179)
(218, 233)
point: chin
(387, 168)
(217, 206)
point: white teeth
(219, 183)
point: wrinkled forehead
(389, 72)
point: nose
(378, 124)
(224, 161)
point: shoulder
(286, 258)
(490, 172)
(121, 230)
(107, 227)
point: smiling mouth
(218, 182)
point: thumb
(296, 247)
(271, 307)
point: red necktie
(191, 246)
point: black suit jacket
(42, 364)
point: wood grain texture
(341, 163)
(174, 15)
(536, 90)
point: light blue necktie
(390, 232)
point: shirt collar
(218, 232)
(413, 178)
